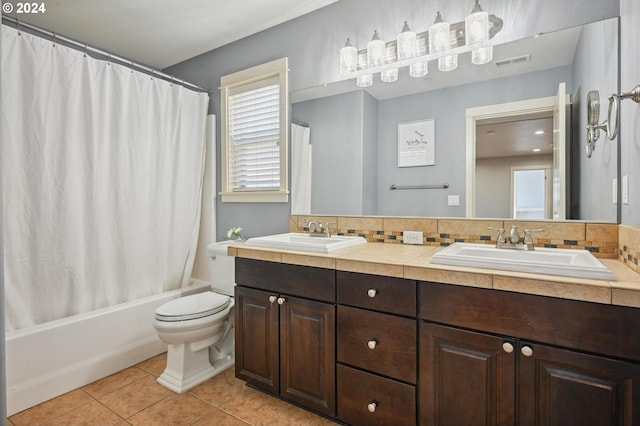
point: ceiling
(515, 138)
(161, 33)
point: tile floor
(133, 397)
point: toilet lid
(193, 306)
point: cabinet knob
(372, 407)
(526, 351)
(281, 300)
(372, 293)
(372, 344)
(272, 299)
(507, 347)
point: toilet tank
(223, 274)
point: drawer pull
(507, 347)
(372, 407)
(372, 293)
(281, 300)
(272, 299)
(372, 344)
(526, 351)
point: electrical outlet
(412, 237)
(615, 190)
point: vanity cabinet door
(257, 335)
(307, 353)
(560, 387)
(466, 378)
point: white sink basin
(550, 261)
(304, 242)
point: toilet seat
(192, 307)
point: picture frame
(416, 143)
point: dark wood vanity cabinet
(511, 370)
(285, 344)
(373, 350)
(377, 350)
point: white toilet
(199, 328)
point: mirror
(354, 132)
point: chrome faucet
(515, 241)
(319, 229)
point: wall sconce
(593, 116)
(441, 41)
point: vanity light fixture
(476, 27)
(441, 41)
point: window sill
(255, 197)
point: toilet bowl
(199, 328)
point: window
(255, 134)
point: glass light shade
(439, 35)
(348, 58)
(419, 69)
(482, 55)
(389, 76)
(407, 43)
(448, 63)
(476, 26)
(364, 80)
(375, 51)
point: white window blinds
(254, 133)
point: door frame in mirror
(505, 112)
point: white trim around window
(255, 134)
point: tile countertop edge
(413, 262)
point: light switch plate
(625, 189)
(453, 200)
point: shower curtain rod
(119, 59)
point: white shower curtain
(300, 169)
(102, 171)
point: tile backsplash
(629, 246)
(600, 239)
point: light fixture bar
(457, 35)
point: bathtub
(50, 359)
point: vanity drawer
(381, 343)
(295, 280)
(392, 295)
(395, 402)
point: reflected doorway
(531, 192)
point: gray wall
(592, 193)
(370, 155)
(3, 375)
(320, 35)
(630, 111)
(337, 144)
(448, 108)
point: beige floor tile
(220, 418)
(175, 410)
(256, 408)
(294, 416)
(52, 408)
(90, 414)
(155, 365)
(115, 381)
(135, 396)
(220, 388)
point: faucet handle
(501, 238)
(527, 234)
(311, 226)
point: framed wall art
(416, 143)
